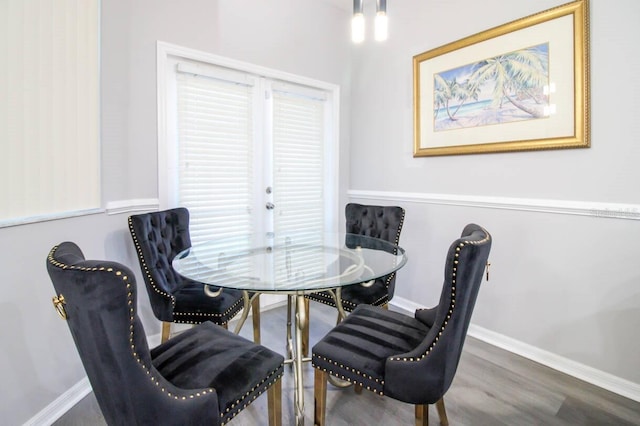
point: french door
(247, 152)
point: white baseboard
(61, 405)
(580, 371)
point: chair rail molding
(132, 206)
(577, 208)
(575, 369)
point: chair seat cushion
(193, 306)
(356, 294)
(208, 356)
(357, 349)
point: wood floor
(492, 387)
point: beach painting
(520, 86)
(506, 88)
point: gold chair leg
(422, 414)
(305, 330)
(166, 331)
(274, 403)
(255, 309)
(319, 397)
(442, 413)
(289, 333)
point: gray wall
(563, 287)
(564, 284)
(38, 362)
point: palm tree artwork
(505, 88)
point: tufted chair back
(383, 222)
(99, 301)
(158, 237)
(409, 358)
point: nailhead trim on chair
(204, 314)
(453, 299)
(350, 306)
(170, 296)
(412, 359)
(265, 384)
(392, 275)
(340, 376)
(146, 269)
(131, 321)
(399, 228)
(270, 379)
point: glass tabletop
(289, 263)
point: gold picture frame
(520, 86)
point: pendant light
(381, 25)
(357, 22)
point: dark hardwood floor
(492, 387)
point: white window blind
(49, 108)
(248, 150)
(298, 162)
(298, 173)
(215, 164)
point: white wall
(562, 285)
(38, 361)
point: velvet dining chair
(205, 375)
(383, 222)
(158, 237)
(412, 359)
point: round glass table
(293, 264)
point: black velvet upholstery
(158, 237)
(205, 375)
(412, 359)
(383, 222)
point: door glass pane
(215, 156)
(298, 172)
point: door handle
(270, 206)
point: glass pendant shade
(357, 22)
(357, 28)
(381, 23)
(381, 26)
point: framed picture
(521, 86)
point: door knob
(270, 206)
